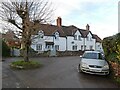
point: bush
(25, 65)
(111, 46)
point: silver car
(93, 62)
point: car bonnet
(97, 62)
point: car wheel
(79, 69)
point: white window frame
(40, 34)
(56, 35)
(74, 47)
(79, 38)
(85, 47)
(87, 38)
(57, 47)
(82, 47)
(39, 47)
(91, 47)
(75, 37)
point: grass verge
(25, 65)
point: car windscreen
(93, 56)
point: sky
(101, 15)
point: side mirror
(80, 56)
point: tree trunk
(26, 53)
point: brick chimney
(59, 21)
(87, 27)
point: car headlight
(84, 64)
(106, 67)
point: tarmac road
(56, 72)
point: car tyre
(79, 69)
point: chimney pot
(87, 27)
(59, 21)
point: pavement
(56, 72)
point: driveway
(56, 72)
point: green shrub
(25, 65)
(111, 46)
(112, 57)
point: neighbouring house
(98, 45)
(11, 39)
(64, 38)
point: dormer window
(75, 37)
(87, 38)
(91, 39)
(40, 34)
(56, 35)
(79, 37)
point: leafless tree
(25, 15)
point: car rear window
(93, 56)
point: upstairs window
(87, 38)
(91, 39)
(85, 47)
(98, 45)
(79, 37)
(75, 37)
(57, 35)
(40, 34)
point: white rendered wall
(61, 41)
(77, 42)
(89, 42)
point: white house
(64, 38)
(98, 43)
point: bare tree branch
(25, 16)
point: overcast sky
(101, 15)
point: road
(56, 72)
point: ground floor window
(74, 47)
(85, 47)
(48, 47)
(81, 47)
(91, 47)
(39, 47)
(56, 47)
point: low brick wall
(69, 53)
(33, 53)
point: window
(40, 34)
(57, 35)
(56, 47)
(91, 47)
(74, 47)
(72, 42)
(84, 47)
(91, 39)
(38, 47)
(75, 37)
(87, 38)
(81, 47)
(79, 37)
(48, 47)
(93, 56)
